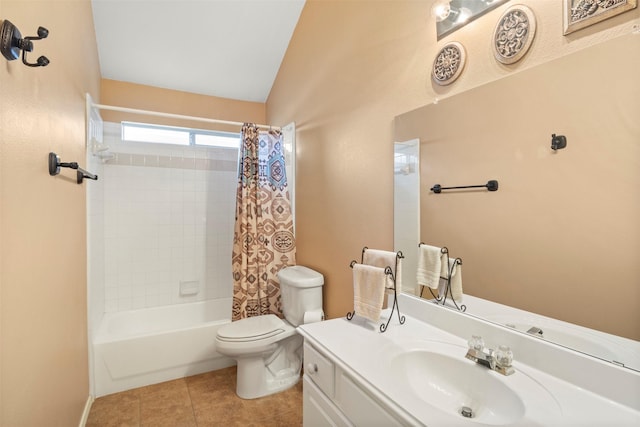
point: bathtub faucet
(499, 360)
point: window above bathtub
(158, 134)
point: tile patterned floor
(199, 401)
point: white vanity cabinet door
(318, 410)
(332, 398)
(358, 406)
(319, 369)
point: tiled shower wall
(95, 242)
(168, 214)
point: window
(157, 134)
(217, 139)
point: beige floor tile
(120, 409)
(169, 415)
(166, 404)
(203, 400)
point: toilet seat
(253, 329)
(253, 335)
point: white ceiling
(226, 48)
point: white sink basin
(443, 378)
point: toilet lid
(252, 328)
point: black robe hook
(11, 43)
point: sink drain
(466, 412)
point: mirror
(451, 15)
(561, 236)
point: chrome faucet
(534, 330)
(499, 360)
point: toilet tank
(301, 291)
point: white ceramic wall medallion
(514, 34)
(448, 64)
(580, 14)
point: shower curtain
(263, 239)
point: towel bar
(55, 164)
(442, 299)
(389, 272)
(491, 186)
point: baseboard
(85, 413)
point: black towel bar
(55, 164)
(392, 274)
(491, 186)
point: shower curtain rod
(176, 116)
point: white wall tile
(160, 225)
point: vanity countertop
(371, 358)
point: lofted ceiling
(225, 48)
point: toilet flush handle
(312, 368)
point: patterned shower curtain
(263, 240)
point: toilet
(268, 350)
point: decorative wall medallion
(448, 64)
(579, 14)
(514, 34)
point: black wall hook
(558, 142)
(11, 43)
(55, 164)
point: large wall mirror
(561, 236)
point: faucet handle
(476, 343)
(504, 356)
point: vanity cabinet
(415, 374)
(332, 397)
(317, 409)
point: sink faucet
(534, 330)
(499, 360)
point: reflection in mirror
(451, 15)
(619, 350)
(406, 208)
(561, 238)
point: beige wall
(151, 98)
(43, 330)
(351, 67)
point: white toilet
(267, 349)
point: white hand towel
(382, 259)
(456, 280)
(430, 266)
(368, 290)
(442, 287)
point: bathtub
(142, 347)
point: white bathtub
(141, 347)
